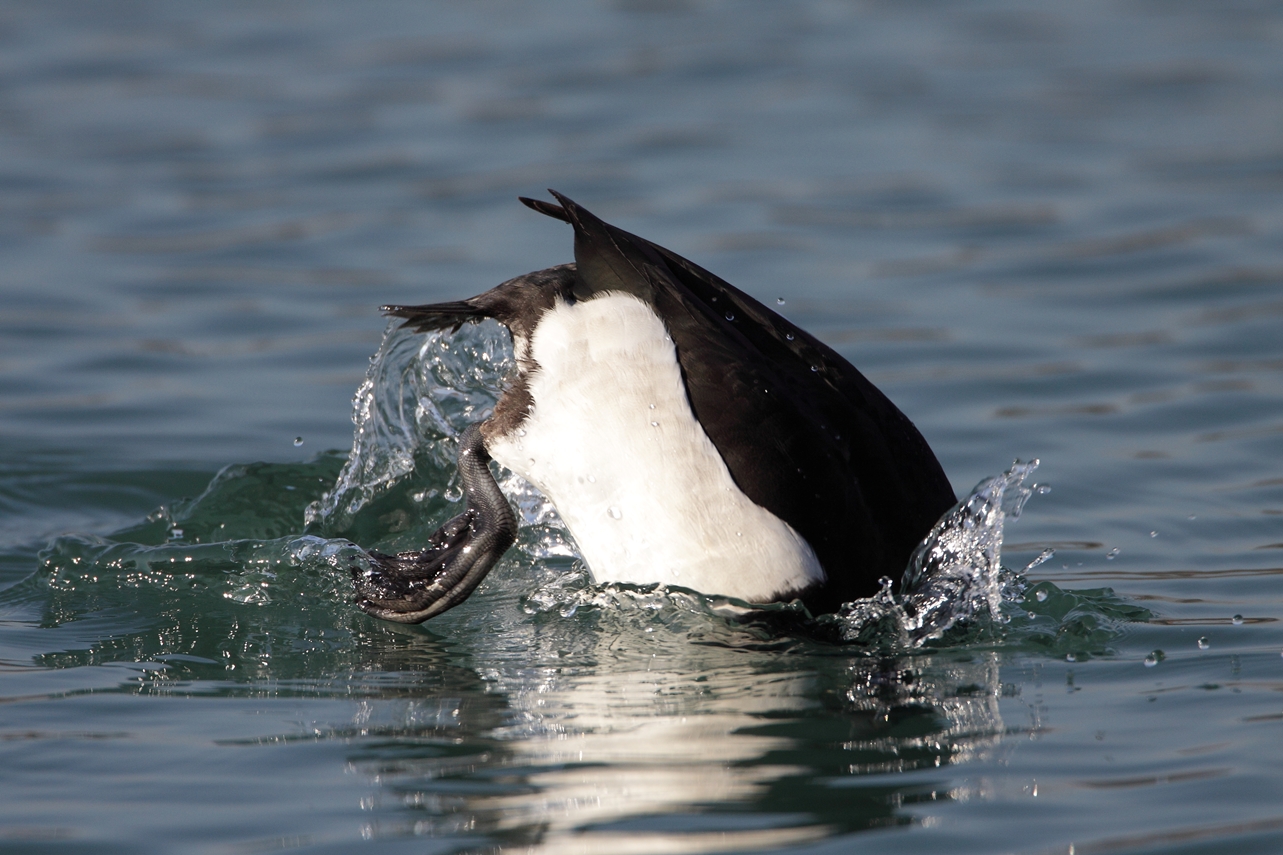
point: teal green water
(1045, 231)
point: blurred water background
(1045, 230)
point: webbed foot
(411, 587)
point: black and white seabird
(685, 433)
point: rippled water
(1046, 231)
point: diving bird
(685, 433)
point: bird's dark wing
(803, 433)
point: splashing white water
(420, 392)
(955, 574)
(384, 442)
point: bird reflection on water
(599, 755)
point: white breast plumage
(611, 440)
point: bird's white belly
(613, 444)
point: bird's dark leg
(411, 587)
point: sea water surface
(1048, 231)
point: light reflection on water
(669, 757)
(610, 760)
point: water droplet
(788, 336)
(1152, 659)
(779, 301)
(615, 513)
(1069, 657)
(1040, 596)
(175, 532)
(730, 316)
(532, 461)
(1153, 534)
(1043, 489)
(654, 424)
(521, 431)
(815, 368)
(1112, 554)
(1193, 516)
(1203, 643)
(298, 440)
(739, 534)
(592, 479)
(652, 406)
(1237, 620)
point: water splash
(955, 575)
(383, 443)
(419, 393)
(295, 570)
